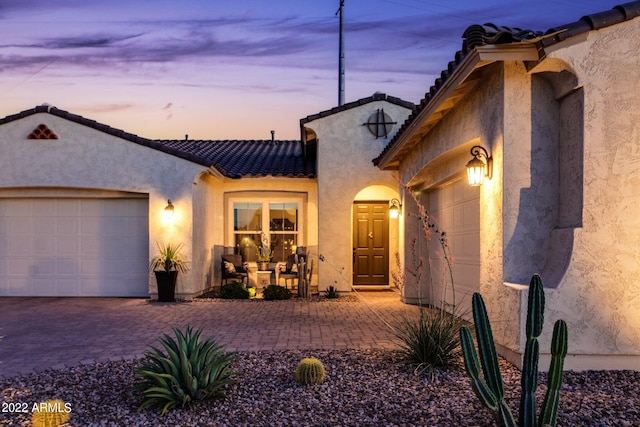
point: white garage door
(74, 247)
(456, 206)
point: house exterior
(82, 205)
(357, 239)
(558, 114)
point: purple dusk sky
(236, 69)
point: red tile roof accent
(42, 131)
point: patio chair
(290, 271)
(232, 267)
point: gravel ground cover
(363, 388)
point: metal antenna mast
(341, 56)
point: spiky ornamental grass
(431, 341)
(190, 371)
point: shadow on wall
(551, 208)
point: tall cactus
(490, 388)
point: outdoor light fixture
(476, 168)
(168, 211)
(394, 208)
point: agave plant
(190, 371)
(168, 258)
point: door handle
(371, 235)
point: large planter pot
(166, 281)
(263, 265)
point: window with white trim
(279, 220)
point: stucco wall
(477, 119)
(563, 200)
(205, 217)
(84, 158)
(345, 152)
(599, 294)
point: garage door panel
(68, 245)
(41, 246)
(67, 286)
(74, 247)
(17, 225)
(457, 208)
(89, 226)
(90, 245)
(67, 266)
(19, 267)
(19, 246)
(67, 226)
(65, 208)
(42, 267)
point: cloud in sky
(214, 56)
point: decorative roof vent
(42, 132)
(380, 124)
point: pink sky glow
(236, 69)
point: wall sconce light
(476, 168)
(168, 211)
(395, 207)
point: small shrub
(275, 292)
(310, 371)
(190, 371)
(431, 341)
(234, 290)
(331, 292)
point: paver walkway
(40, 333)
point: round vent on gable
(380, 124)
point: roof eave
(478, 58)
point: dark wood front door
(370, 243)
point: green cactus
(310, 371)
(490, 389)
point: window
(279, 220)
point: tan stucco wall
(599, 294)
(441, 156)
(345, 152)
(84, 158)
(533, 215)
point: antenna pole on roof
(273, 135)
(341, 56)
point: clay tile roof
(249, 158)
(479, 35)
(234, 159)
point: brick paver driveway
(40, 333)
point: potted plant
(264, 253)
(166, 266)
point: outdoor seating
(232, 267)
(290, 271)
